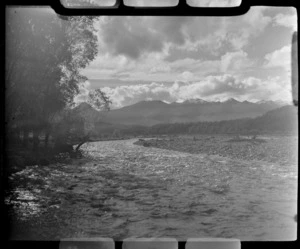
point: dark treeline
(280, 121)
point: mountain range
(154, 112)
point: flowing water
(125, 190)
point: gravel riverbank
(274, 149)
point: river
(124, 190)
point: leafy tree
(44, 56)
(76, 126)
(117, 133)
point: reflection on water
(127, 190)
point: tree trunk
(20, 136)
(46, 139)
(85, 139)
(13, 137)
(25, 137)
(35, 139)
(80, 144)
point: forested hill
(283, 120)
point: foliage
(98, 100)
(44, 57)
(77, 125)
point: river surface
(124, 190)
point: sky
(178, 58)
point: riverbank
(274, 149)
(18, 157)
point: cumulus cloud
(210, 88)
(286, 20)
(279, 58)
(172, 27)
(196, 57)
(126, 36)
(136, 39)
(235, 61)
(250, 25)
(187, 76)
(151, 68)
(136, 36)
(127, 95)
(160, 68)
(84, 89)
(222, 34)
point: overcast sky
(177, 58)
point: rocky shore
(274, 149)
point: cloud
(187, 76)
(136, 36)
(172, 28)
(150, 68)
(127, 95)
(210, 88)
(224, 84)
(84, 89)
(286, 20)
(250, 25)
(126, 36)
(160, 68)
(226, 34)
(235, 61)
(279, 58)
(196, 57)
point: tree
(76, 126)
(44, 56)
(117, 133)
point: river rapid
(124, 190)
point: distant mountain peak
(231, 100)
(154, 112)
(247, 102)
(84, 107)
